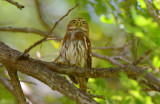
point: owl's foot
(75, 65)
(61, 63)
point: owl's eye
(74, 21)
(84, 22)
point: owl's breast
(74, 50)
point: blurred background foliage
(111, 22)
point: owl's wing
(65, 38)
(89, 59)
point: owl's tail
(82, 84)
(81, 81)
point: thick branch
(16, 85)
(35, 69)
(130, 70)
(41, 70)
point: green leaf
(109, 20)
(156, 3)
(142, 4)
(156, 62)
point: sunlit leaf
(156, 61)
(142, 4)
(157, 3)
(105, 19)
(119, 98)
(139, 34)
(142, 21)
(133, 12)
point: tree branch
(110, 59)
(153, 87)
(152, 12)
(19, 6)
(42, 70)
(144, 55)
(121, 58)
(16, 85)
(28, 30)
(35, 69)
(9, 87)
(136, 53)
(114, 48)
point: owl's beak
(79, 23)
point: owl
(76, 48)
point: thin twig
(9, 87)
(56, 59)
(19, 6)
(151, 66)
(142, 57)
(54, 39)
(6, 84)
(136, 54)
(27, 30)
(152, 12)
(41, 15)
(122, 58)
(153, 87)
(40, 41)
(147, 89)
(113, 48)
(110, 59)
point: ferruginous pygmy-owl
(76, 48)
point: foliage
(6, 97)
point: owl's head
(78, 24)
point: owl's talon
(61, 63)
(75, 65)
